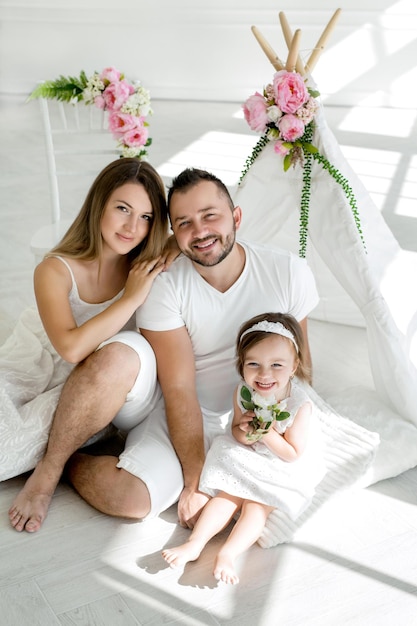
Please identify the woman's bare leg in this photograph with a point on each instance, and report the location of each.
(92, 396)
(215, 516)
(245, 532)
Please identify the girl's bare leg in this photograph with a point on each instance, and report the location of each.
(245, 532)
(216, 514)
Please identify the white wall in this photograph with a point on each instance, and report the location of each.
(194, 49)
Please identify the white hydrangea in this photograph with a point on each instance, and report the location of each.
(93, 89)
(139, 103)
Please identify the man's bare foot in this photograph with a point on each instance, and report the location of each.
(224, 570)
(179, 556)
(30, 506)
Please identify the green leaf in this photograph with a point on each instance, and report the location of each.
(249, 406)
(308, 147)
(64, 88)
(282, 415)
(313, 92)
(287, 162)
(245, 393)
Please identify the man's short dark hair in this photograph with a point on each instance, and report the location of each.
(192, 176)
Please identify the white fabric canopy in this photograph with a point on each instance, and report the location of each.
(372, 291)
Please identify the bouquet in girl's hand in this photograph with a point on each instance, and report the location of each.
(266, 411)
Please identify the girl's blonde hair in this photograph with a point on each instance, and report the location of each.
(83, 238)
(244, 343)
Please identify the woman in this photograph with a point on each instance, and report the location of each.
(87, 289)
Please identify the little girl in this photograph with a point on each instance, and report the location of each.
(265, 463)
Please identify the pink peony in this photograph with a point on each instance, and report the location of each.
(279, 148)
(120, 123)
(110, 74)
(100, 102)
(116, 94)
(290, 91)
(291, 127)
(136, 137)
(255, 112)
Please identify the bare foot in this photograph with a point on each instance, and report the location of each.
(30, 506)
(179, 556)
(224, 570)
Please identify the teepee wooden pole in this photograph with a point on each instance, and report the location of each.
(293, 52)
(269, 51)
(288, 36)
(311, 63)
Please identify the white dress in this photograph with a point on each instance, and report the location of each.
(32, 375)
(253, 472)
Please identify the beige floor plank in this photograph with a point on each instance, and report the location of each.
(112, 610)
(24, 605)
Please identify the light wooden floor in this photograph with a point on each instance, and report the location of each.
(354, 562)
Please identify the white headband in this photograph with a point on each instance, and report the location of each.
(271, 327)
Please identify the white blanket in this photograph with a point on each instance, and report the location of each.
(365, 440)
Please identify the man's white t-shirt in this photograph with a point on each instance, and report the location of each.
(273, 280)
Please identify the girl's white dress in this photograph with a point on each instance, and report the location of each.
(32, 375)
(253, 472)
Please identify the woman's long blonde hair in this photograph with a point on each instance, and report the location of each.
(83, 238)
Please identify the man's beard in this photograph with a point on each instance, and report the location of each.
(210, 261)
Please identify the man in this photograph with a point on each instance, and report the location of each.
(191, 319)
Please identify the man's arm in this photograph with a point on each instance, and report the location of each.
(303, 324)
(176, 373)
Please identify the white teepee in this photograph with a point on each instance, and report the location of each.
(369, 289)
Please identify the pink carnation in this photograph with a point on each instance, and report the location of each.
(110, 74)
(255, 112)
(136, 137)
(116, 94)
(290, 91)
(308, 111)
(291, 127)
(120, 123)
(279, 148)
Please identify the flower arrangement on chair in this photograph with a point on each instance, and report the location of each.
(128, 104)
(285, 114)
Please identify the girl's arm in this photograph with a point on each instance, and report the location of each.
(74, 343)
(290, 445)
(241, 422)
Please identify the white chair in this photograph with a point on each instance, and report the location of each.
(78, 145)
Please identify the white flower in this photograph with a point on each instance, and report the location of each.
(131, 152)
(139, 103)
(273, 113)
(307, 112)
(263, 415)
(261, 402)
(282, 405)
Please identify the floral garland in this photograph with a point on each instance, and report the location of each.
(128, 104)
(266, 411)
(285, 114)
